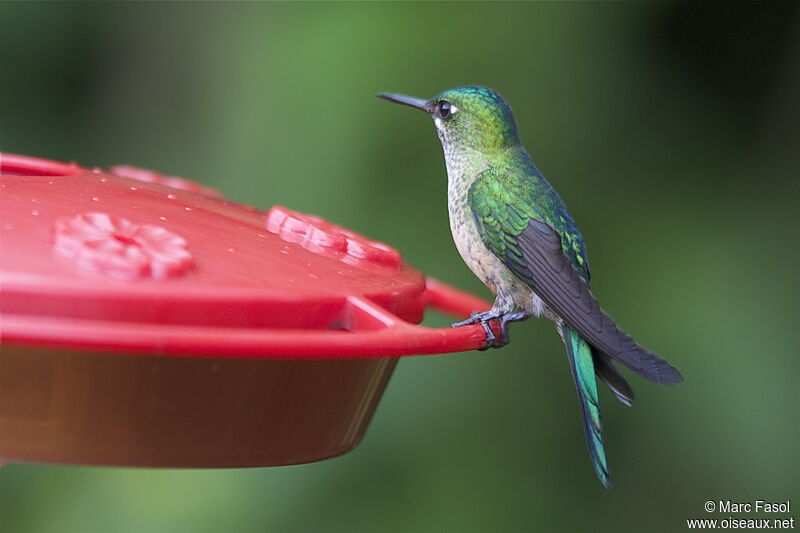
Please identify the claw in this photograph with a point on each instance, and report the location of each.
(490, 336)
(505, 320)
(503, 333)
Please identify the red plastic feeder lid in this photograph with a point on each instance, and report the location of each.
(133, 261)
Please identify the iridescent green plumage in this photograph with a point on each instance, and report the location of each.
(504, 200)
(515, 233)
(583, 373)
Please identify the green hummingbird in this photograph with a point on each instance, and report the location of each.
(515, 233)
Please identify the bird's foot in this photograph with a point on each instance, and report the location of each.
(505, 320)
(476, 317)
(483, 318)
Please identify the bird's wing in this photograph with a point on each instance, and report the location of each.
(504, 210)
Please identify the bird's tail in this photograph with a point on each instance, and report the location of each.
(583, 371)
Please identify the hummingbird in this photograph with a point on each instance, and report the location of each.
(514, 232)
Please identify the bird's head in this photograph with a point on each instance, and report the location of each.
(473, 117)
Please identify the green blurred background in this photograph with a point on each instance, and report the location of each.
(671, 131)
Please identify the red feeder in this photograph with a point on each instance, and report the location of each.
(147, 321)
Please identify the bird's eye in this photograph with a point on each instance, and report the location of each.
(443, 110)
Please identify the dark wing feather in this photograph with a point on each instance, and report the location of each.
(549, 273)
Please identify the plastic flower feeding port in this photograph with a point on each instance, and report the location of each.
(147, 321)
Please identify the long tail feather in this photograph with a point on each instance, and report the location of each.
(583, 372)
(612, 377)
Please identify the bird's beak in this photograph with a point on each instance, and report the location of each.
(416, 103)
